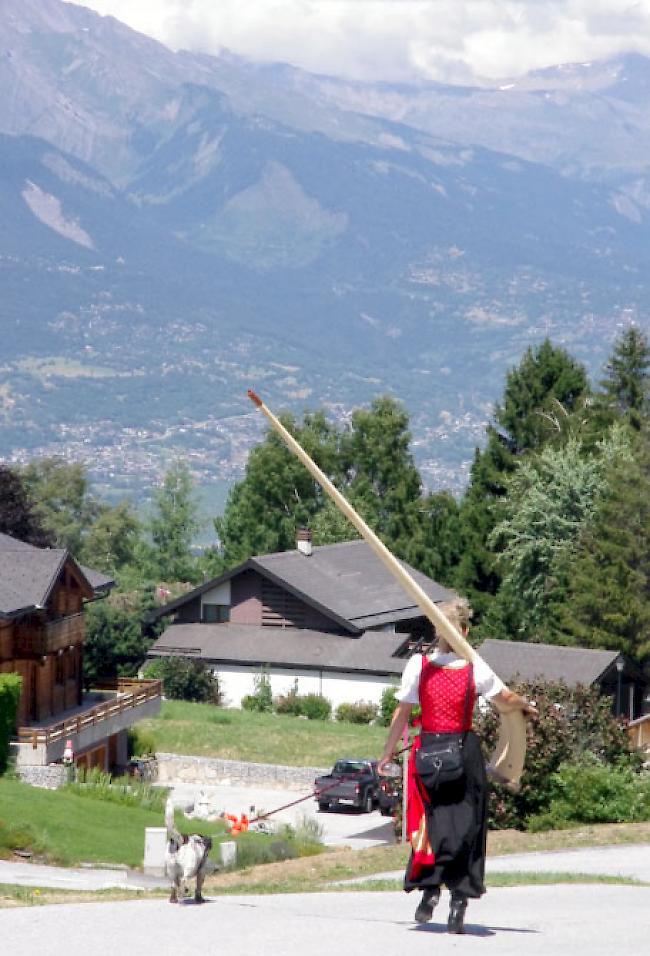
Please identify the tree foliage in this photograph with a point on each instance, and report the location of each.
(112, 541)
(173, 525)
(277, 494)
(626, 386)
(118, 636)
(18, 514)
(546, 376)
(64, 502)
(10, 686)
(608, 601)
(370, 461)
(185, 679)
(551, 498)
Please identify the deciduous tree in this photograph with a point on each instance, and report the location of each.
(18, 515)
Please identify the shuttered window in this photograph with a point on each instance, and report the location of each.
(280, 608)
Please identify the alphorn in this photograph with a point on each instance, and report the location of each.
(507, 762)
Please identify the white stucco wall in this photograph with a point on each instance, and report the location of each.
(218, 595)
(337, 687)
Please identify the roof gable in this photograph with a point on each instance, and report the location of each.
(28, 575)
(346, 582)
(349, 580)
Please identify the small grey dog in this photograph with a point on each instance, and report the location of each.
(186, 859)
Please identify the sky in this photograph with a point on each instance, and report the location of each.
(397, 40)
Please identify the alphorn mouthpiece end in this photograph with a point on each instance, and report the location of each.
(254, 397)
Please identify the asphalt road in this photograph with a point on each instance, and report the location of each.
(581, 920)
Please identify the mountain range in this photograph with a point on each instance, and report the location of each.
(176, 227)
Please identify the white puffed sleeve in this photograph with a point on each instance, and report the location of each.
(409, 688)
(486, 681)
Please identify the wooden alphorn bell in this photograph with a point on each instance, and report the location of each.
(507, 762)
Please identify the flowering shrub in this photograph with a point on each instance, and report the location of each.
(361, 712)
(573, 722)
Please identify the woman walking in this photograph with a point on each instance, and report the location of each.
(446, 818)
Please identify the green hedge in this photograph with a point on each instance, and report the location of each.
(360, 712)
(10, 685)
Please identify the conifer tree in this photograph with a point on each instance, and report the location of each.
(626, 386)
(173, 526)
(608, 603)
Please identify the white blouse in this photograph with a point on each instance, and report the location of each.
(486, 681)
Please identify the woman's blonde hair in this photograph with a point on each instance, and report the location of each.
(458, 612)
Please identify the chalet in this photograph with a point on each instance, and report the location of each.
(615, 676)
(43, 593)
(331, 618)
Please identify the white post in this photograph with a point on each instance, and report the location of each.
(155, 844)
(228, 852)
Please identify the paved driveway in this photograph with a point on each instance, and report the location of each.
(358, 830)
(593, 920)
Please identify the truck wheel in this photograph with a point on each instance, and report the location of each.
(323, 806)
(369, 805)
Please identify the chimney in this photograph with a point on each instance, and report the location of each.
(303, 541)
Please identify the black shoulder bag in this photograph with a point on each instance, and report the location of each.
(440, 759)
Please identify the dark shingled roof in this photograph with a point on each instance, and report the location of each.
(550, 662)
(27, 575)
(346, 581)
(350, 580)
(285, 647)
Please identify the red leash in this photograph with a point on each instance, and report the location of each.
(312, 795)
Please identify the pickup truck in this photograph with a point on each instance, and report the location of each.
(353, 783)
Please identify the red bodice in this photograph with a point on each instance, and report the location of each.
(442, 698)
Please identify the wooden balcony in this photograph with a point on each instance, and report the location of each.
(34, 641)
(128, 695)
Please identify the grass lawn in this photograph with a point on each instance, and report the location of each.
(316, 874)
(202, 730)
(71, 829)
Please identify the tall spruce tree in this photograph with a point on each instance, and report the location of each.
(626, 386)
(173, 526)
(608, 602)
(546, 376)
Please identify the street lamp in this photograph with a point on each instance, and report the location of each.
(620, 664)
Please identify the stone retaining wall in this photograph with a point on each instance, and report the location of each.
(49, 777)
(176, 768)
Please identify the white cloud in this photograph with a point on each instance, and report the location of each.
(445, 40)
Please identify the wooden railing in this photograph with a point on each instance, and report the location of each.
(131, 693)
(34, 641)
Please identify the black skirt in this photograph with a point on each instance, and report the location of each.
(457, 825)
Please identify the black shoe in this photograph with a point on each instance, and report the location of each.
(426, 906)
(457, 909)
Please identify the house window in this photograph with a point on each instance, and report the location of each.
(216, 613)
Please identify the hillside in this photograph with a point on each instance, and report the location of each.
(177, 227)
